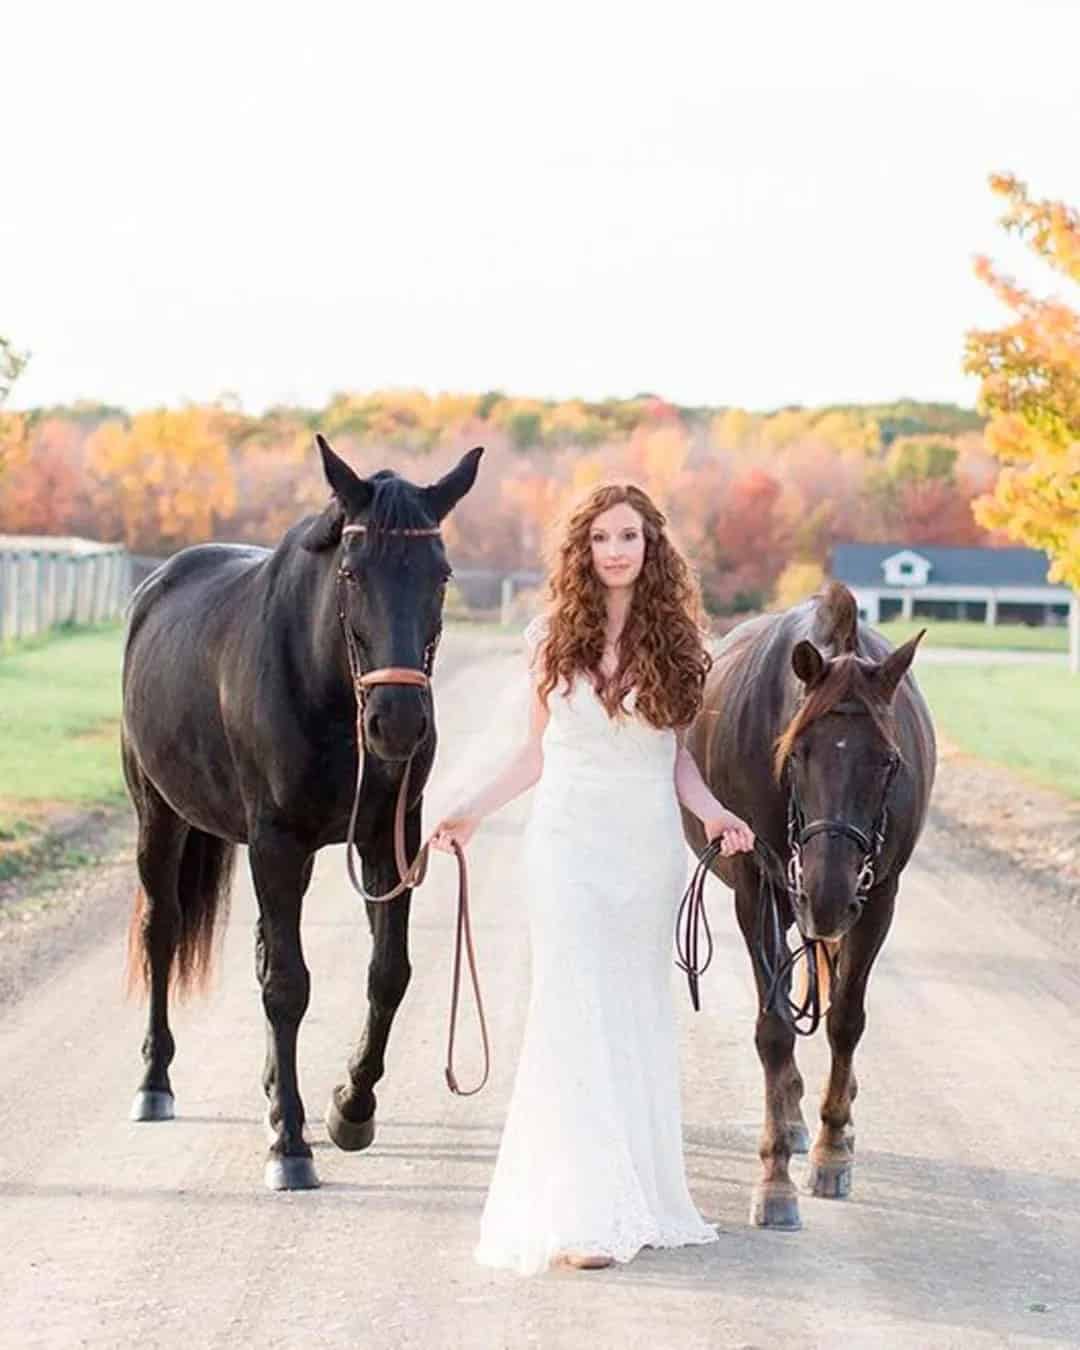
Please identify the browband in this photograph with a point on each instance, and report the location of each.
(381, 529)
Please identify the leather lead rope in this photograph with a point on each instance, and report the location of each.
(771, 955)
(412, 874)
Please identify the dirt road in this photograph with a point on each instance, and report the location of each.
(963, 1228)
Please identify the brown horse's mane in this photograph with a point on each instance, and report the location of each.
(846, 682)
(847, 679)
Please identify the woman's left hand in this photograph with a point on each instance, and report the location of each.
(734, 834)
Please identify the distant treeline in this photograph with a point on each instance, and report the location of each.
(748, 494)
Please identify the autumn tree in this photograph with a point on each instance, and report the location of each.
(166, 475)
(44, 486)
(797, 582)
(1030, 385)
(12, 426)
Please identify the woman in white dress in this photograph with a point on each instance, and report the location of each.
(590, 1165)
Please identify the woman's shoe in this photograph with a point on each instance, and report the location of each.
(585, 1260)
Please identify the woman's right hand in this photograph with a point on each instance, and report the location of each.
(458, 828)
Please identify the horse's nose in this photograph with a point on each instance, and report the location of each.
(385, 727)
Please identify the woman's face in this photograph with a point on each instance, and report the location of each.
(618, 545)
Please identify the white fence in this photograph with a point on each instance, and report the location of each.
(60, 581)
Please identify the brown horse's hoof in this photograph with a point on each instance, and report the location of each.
(798, 1137)
(349, 1135)
(286, 1172)
(829, 1178)
(775, 1204)
(151, 1105)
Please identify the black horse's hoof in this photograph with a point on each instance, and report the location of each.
(290, 1173)
(775, 1205)
(831, 1180)
(798, 1137)
(152, 1105)
(348, 1134)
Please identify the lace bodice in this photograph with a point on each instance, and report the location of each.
(580, 735)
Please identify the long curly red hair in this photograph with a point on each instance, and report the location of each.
(662, 651)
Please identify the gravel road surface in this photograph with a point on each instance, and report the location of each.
(963, 1228)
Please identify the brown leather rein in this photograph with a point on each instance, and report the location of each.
(411, 874)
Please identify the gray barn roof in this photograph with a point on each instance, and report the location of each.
(860, 565)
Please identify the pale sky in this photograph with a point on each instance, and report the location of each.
(728, 203)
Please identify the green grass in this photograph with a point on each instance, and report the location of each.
(1003, 637)
(59, 716)
(1026, 717)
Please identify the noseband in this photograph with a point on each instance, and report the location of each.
(410, 874)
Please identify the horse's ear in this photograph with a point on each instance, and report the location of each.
(441, 497)
(807, 662)
(325, 530)
(895, 666)
(353, 492)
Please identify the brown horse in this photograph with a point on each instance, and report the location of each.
(813, 730)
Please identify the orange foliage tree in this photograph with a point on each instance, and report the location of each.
(166, 475)
(1030, 385)
(44, 487)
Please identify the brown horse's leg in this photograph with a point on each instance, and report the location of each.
(350, 1116)
(775, 1202)
(154, 939)
(281, 868)
(833, 1155)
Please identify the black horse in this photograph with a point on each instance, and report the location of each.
(814, 731)
(240, 727)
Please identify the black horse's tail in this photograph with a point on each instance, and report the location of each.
(204, 883)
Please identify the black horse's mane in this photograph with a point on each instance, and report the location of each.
(395, 505)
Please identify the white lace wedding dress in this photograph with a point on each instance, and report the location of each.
(591, 1156)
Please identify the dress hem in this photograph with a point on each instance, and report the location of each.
(500, 1259)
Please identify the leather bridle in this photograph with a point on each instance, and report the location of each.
(799, 834)
(410, 874)
(769, 950)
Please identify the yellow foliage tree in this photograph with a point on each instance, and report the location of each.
(169, 474)
(734, 429)
(664, 450)
(1030, 387)
(786, 427)
(587, 473)
(796, 582)
(848, 432)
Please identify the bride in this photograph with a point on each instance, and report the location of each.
(590, 1166)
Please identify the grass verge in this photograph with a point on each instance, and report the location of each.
(1025, 717)
(1015, 637)
(59, 719)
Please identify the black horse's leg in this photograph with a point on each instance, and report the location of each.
(160, 846)
(269, 1075)
(281, 869)
(833, 1154)
(775, 1201)
(350, 1117)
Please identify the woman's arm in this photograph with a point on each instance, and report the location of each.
(693, 792)
(520, 772)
